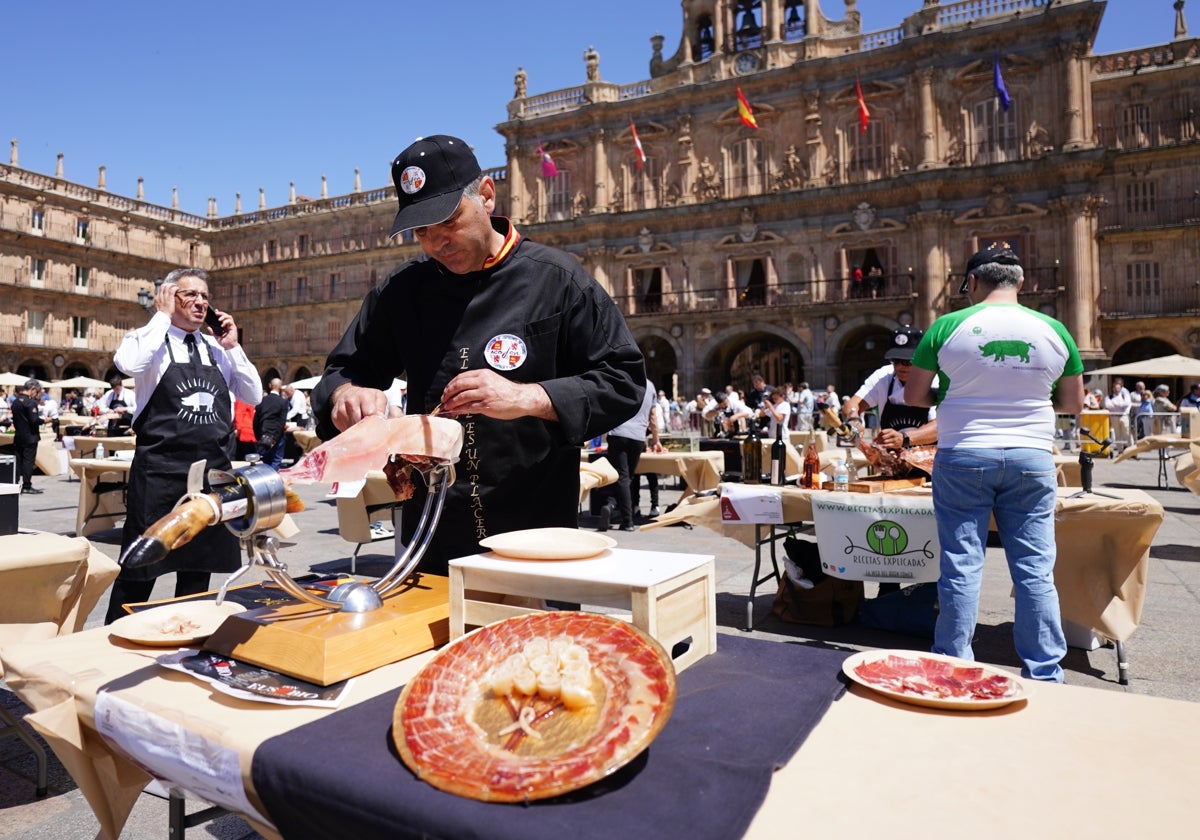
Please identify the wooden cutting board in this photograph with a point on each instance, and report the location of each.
(877, 484)
(326, 647)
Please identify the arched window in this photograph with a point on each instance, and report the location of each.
(705, 44)
(748, 19)
(795, 27)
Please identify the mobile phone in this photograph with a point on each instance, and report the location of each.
(210, 318)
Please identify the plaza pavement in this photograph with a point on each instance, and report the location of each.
(1163, 653)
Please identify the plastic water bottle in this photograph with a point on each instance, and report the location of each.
(99, 451)
(841, 476)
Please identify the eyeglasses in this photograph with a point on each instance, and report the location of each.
(189, 296)
(902, 362)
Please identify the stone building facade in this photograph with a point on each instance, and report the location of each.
(731, 249)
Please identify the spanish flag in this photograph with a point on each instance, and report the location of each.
(745, 114)
(864, 116)
(639, 154)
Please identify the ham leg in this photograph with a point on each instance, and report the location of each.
(368, 444)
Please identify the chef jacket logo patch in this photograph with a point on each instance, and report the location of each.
(197, 402)
(506, 352)
(412, 179)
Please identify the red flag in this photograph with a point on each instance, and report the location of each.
(549, 170)
(864, 116)
(744, 113)
(639, 153)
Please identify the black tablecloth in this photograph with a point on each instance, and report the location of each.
(740, 713)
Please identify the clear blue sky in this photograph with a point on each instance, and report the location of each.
(224, 97)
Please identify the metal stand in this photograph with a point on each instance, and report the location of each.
(1086, 465)
(758, 578)
(266, 496)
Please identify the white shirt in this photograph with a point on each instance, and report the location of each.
(146, 353)
(126, 396)
(875, 392)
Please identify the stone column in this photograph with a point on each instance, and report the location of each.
(928, 137)
(1081, 275)
(599, 171)
(1075, 66)
(933, 292)
(516, 184)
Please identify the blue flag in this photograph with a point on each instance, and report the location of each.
(998, 82)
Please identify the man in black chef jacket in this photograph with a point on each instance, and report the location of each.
(184, 377)
(513, 338)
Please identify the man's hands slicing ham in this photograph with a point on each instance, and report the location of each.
(418, 440)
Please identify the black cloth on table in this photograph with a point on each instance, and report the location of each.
(740, 713)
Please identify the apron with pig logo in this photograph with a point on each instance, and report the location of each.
(188, 418)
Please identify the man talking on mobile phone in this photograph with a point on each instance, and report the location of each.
(185, 378)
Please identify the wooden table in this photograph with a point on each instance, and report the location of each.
(1042, 762)
(102, 487)
(85, 447)
(699, 470)
(1160, 444)
(47, 459)
(1103, 549)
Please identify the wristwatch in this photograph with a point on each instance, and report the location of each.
(907, 442)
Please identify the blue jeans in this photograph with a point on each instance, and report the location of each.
(1017, 487)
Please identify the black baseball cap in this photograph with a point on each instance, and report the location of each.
(997, 252)
(430, 176)
(904, 344)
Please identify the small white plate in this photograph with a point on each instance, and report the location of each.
(549, 544)
(1016, 689)
(174, 624)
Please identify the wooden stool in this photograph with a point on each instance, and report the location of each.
(672, 597)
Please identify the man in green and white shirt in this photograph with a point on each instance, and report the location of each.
(1003, 370)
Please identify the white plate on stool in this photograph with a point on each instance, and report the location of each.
(549, 544)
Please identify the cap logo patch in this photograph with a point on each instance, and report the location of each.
(901, 340)
(412, 179)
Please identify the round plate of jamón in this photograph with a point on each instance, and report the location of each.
(932, 679)
(534, 706)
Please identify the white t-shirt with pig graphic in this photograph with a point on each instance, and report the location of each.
(997, 367)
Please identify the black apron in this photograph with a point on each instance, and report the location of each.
(187, 418)
(901, 417)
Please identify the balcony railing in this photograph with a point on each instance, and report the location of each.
(1040, 283)
(1137, 299)
(1145, 213)
(1150, 134)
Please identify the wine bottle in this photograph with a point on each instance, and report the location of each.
(778, 457)
(812, 463)
(752, 457)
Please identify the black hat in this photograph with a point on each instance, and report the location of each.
(998, 252)
(904, 344)
(430, 176)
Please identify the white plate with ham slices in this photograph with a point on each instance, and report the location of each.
(549, 544)
(932, 679)
(183, 623)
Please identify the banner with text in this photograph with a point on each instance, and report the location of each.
(877, 537)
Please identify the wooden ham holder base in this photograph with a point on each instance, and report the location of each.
(875, 484)
(305, 641)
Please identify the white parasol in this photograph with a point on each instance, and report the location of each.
(1173, 365)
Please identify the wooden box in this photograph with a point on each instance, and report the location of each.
(323, 647)
(670, 596)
